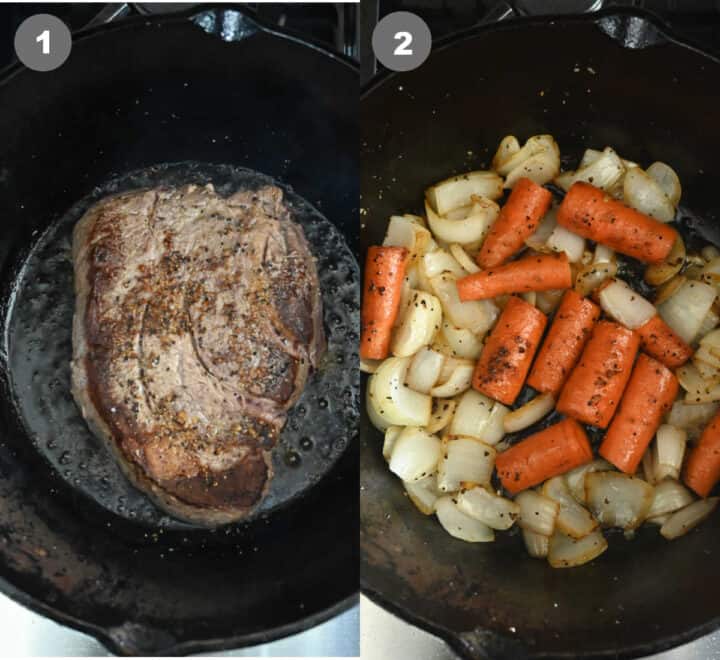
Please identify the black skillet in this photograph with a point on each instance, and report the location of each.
(207, 95)
(615, 78)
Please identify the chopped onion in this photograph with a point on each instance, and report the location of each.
(373, 415)
(709, 252)
(368, 366)
(565, 552)
(708, 354)
(576, 478)
(466, 460)
(669, 183)
(669, 496)
(540, 168)
(458, 191)
(712, 341)
(510, 157)
(692, 418)
(405, 231)
(593, 275)
(441, 415)
(458, 382)
(709, 323)
(391, 434)
(708, 371)
(603, 254)
(421, 318)
(509, 146)
(539, 238)
(537, 512)
(463, 258)
(466, 225)
(591, 155)
(450, 365)
(474, 315)
(393, 402)
(536, 544)
(441, 261)
(423, 494)
(648, 468)
(711, 273)
(573, 519)
(530, 297)
(462, 342)
(685, 519)
(617, 499)
(495, 511)
(657, 274)
(658, 520)
(665, 291)
(471, 415)
(533, 411)
(424, 370)
(415, 455)
(626, 306)
(641, 192)
(685, 310)
(460, 525)
(669, 451)
(563, 240)
(548, 301)
(494, 430)
(697, 389)
(604, 172)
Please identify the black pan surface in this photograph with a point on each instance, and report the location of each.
(616, 78)
(209, 94)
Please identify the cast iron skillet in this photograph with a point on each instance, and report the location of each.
(170, 99)
(615, 78)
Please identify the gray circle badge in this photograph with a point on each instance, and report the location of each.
(43, 42)
(401, 41)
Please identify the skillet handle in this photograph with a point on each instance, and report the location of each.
(482, 644)
(138, 639)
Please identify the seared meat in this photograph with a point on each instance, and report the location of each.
(197, 321)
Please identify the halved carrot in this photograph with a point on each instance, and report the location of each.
(384, 274)
(509, 350)
(702, 469)
(658, 339)
(650, 393)
(539, 272)
(564, 342)
(593, 390)
(592, 213)
(518, 219)
(543, 455)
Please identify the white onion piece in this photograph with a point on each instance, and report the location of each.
(466, 225)
(711, 273)
(548, 301)
(668, 289)
(508, 147)
(709, 372)
(566, 552)
(708, 355)
(617, 499)
(465, 461)
(458, 190)
(405, 231)
(510, 155)
(533, 411)
(450, 365)
(648, 468)
(686, 308)
(709, 252)
(420, 320)
(441, 415)
(667, 179)
(415, 455)
(474, 315)
(685, 519)
(593, 275)
(603, 254)
(393, 402)
(458, 382)
(539, 238)
(575, 478)
(697, 389)
(460, 525)
(591, 155)
(391, 434)
(563, 240)
(712, 341)
(423, 494)
(710, 322)
(494, 430)
(530, 297)
(641, 192)
(573, 519)
(669, 496)
(424, 370)
(462, 342)
(657, 274)
(471, 415)
(441, 261)
(373, 415)
(536, 544)
(537, 512)
(368, 366)
(604, 172)
(658, 520)
(669, 451)
(692, 418)
(495, 511)
(463, 258)
(540, 168)
(626, 306)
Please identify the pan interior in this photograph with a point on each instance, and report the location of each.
(38, 341)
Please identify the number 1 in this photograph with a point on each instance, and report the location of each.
(406, 39)
(44, 37)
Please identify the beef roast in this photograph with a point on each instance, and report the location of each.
(197, 321)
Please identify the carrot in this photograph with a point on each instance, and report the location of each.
(509, 350)
(543, 455)
(592, 213)
(593, 390)
(702, 469)
(565, 340)
(649, 395)
(519, 218)
(658, 339)
(539, 272)
(384, 274)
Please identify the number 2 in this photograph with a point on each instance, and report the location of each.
(406, 39)
(44, 37)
